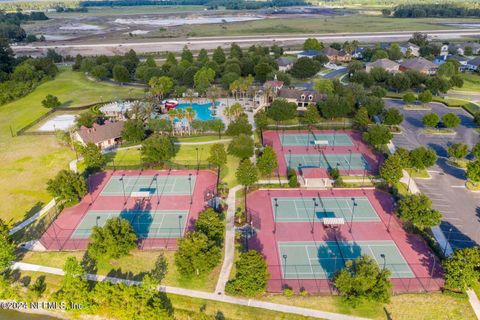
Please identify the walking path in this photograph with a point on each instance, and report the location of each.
(199, 294)
(30, 220)
(229, 242)
(474, 302)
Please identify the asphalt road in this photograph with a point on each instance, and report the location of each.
(459, 207)
(195, 43)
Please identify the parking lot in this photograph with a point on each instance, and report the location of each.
(446, 188)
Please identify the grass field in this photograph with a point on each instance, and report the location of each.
(29, 161)
(471, 82)
(117, 11)
(322, 24)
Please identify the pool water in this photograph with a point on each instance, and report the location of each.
(202, 111)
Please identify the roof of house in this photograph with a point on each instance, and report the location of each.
(473, 45)
(297, 95)
(315, 173)
(273, 83)
(384, 64)
(310, 53)
(408, 45)
(474, 62)
(419, 63)
(283, 62)
(333, 52)
(99, 133)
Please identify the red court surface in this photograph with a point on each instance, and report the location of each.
(412, 247)
(374, 159)
(59, 235)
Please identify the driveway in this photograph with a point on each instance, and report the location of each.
(333, 74)
(446, 188)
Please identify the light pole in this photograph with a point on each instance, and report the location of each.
(384, 261)
(448, 240)
(349, 161)
(315, 205)
(333, 144)
(285, 266)
(198, 163)
(289, 158)
(389, 220)
(180, 217)
(353, 213)
(308, 139)
(275, 216)
(156, 188)
(123, 188)
(96, 222)
(190, 181)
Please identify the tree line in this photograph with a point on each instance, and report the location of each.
(10, 28)
(448, 10)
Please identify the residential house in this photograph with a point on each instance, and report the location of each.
(284, 64)
(439, 60)
(336, 56)
(473, 45)
(301, 97)
(388, 65)
(473, 65)
(308, 54)
(270, 89)
(410, 47)
(105, 136)
(420, 64)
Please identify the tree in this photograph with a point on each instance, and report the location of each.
(157, 149)
(450, 120)
(218, 55)
(456, 81)
(241, 126)
(305, 68)
(437, 84)
(447, 69)
(422, 158)
(67, 187)
(7, 247)
(133, 131)
(247, 176)
(386, 12)
(160, 268)
(261, 122)
(458, 150)
(218, 157)
(210, 224)
(379, 54)
(251, 275)
(323, 86)
(160, 125)
(378, 91)
(361, 119)
(409, 97)
(461, 269)
(203, 78)
(51, 102)
(312, 44)
(377, 135)
(195, 255)
(430, 119)
(394, 52)
(120, 73)
(262, 70)
(417, 209)
(336, 107)
(400, 82)
(391, 170)
(354, 66)
(217, 125)
(241, 146)
(99, 72)
(476, 150)
(74, 287)
(267, 162)
(114, 240)
(282, 110)
(404, 156)
(374, 105)
(310, 116)
(392, 117)
(92, 156)
(419, 38)
(160, 86)
(187, 55)
(473, 171)
(425, 96)
(363, 279)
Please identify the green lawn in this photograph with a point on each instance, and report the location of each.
(421, 174)
(29, 161)
(471, 82)
(321, 24)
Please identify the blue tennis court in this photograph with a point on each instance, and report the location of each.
(354, 161)
(167, 185)
(146, 223)
(308, 139)
(321, 260)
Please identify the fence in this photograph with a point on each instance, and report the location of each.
(320, 285)
(165, 165)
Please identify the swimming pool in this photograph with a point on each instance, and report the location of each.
(202, 111)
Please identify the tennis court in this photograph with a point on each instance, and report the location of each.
(167, 185)
(354, 161)
(146, 223)
(306, 208)
(320, 260)
(308, 139)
